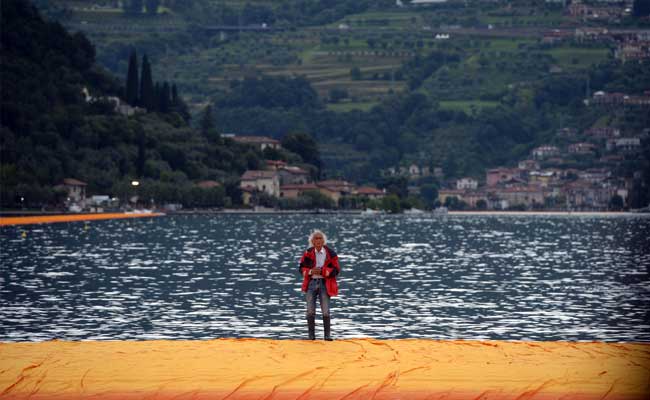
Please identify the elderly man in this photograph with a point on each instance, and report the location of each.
(319, 267)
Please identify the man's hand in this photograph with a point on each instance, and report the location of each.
(315, 271)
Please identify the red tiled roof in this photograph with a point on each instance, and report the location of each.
(255, 139)
(252, 175)
(305, 186)
(369, 191)
(295, 170)
(73, 182)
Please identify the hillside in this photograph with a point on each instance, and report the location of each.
(60, 120)
(460, 86)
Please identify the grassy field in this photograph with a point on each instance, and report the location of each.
(349, 106)
(468, 106)
(578, 58)
(325, 55)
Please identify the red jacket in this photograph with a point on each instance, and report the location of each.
(331, 269)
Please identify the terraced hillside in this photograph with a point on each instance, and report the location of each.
(202, 57)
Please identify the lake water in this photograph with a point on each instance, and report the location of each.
(451, 277)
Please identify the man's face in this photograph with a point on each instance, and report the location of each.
(318, 241)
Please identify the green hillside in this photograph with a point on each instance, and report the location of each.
(463, 86)
(52, 130)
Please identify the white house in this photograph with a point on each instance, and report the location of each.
(261, 181)
(466, 183)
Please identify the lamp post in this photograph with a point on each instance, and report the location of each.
(135, 185)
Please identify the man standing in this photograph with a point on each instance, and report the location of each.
(319, 267)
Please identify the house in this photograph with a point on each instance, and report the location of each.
(566, 132)
(76, 189)
(583, 194)
(473, 197)
(294, 191)
(546, 151)
(594, 175)
(542, 178)
(370, 192)
(612, 159)
(275, 164)
(629, 144)
(343, 187)
(290, 175)
(633, 51)
(582, 148)
(444, 194)
(261, 181)
(555, 36)
(261, 142)
(335, 189)
(608, 99)
(606, 132)
(637, 101)
(414, 170)
(528, 165)
(496, 176)
(585, 34)
(528, 196)
(466, 183)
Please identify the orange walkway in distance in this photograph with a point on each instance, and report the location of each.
(247, 369)
(46, 219)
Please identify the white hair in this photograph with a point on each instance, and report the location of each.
(317, 232)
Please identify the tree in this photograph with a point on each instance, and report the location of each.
(355, 74)
(164, 98)
(152, 6)
(337, 94)
(303, 145)
(208, 127)
(133, 6)
(178, 105)
(391, 204)
(132, 86)
(142, 156)
(429, 193)
(641, 8)
(616, 203)
(147, 92)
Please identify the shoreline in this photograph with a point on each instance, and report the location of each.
(26, 218)
(49, 219)
(414, 369)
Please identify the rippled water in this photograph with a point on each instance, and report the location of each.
(470, 277)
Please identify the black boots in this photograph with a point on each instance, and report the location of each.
(311, 324)
(326, 326)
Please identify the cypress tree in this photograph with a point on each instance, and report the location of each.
(208, 126)
(165, 103)
(157, 90)
(132, 80)
(178, 105)
(641, 8)
(142, 155)
(147, 95)
(174, 95)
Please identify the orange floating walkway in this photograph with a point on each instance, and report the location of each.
(46, 219)
(248, 369)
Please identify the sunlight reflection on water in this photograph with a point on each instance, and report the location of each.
(197, 276)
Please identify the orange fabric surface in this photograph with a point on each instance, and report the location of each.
(345, 369)
(46, 219)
